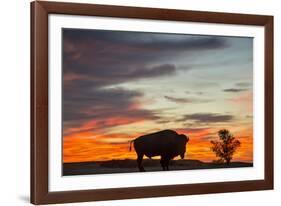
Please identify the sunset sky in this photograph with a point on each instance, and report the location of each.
(120, 85)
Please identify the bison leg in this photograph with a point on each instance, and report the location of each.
(139, 160)
(162, 162)
(167, 164)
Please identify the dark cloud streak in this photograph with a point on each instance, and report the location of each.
(234, 90)
(187, 100)
(207, 118)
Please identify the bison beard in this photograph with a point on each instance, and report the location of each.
(167, 144)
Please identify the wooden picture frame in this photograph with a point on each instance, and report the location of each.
(40, 193)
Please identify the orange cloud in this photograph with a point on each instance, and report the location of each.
(98, 125)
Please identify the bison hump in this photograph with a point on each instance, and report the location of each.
(164, 135)
(165, 132)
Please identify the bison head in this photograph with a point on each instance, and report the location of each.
(183, 141)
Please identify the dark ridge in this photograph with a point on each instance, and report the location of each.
(151, 165)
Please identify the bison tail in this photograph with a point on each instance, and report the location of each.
(130, 148)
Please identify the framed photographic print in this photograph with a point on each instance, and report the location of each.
(131, 102)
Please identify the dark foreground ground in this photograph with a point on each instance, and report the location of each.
(125, 166)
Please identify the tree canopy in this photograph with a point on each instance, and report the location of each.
(226, 146)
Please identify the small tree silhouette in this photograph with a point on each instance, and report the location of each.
(226, 147)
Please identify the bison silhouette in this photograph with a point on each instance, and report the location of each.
(166, 143)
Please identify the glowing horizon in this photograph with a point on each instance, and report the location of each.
(121, 85)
